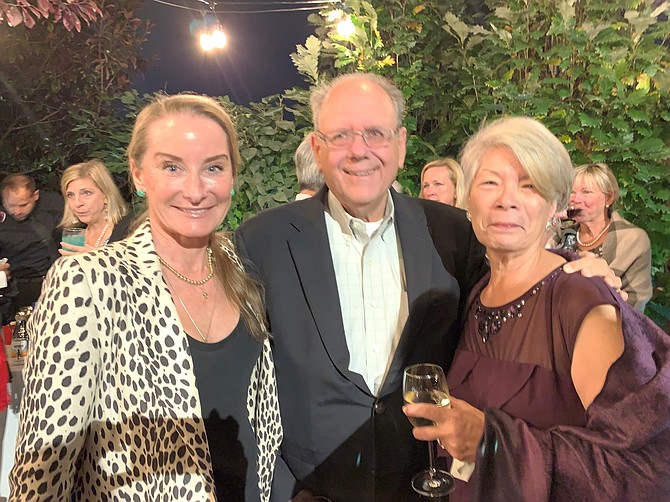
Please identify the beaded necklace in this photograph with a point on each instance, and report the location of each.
(589, 244)
(490, 320)
(193, 282)
(98, 241)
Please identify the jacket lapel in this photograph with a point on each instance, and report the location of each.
(188, 422)
(310, 249)
(417, 249)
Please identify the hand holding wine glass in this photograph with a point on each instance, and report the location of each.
(426, 383)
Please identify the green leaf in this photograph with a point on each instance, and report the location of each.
(638, 115)
(588, 121)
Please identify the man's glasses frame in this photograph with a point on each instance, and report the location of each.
(374, 137)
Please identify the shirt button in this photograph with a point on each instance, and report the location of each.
(376, 350)
(379, 408)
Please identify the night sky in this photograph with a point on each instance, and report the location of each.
(254, 64)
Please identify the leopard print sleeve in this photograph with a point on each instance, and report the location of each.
(61, 376)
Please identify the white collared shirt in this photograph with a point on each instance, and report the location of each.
(371, 286)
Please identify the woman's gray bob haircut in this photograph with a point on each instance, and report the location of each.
(539, 152)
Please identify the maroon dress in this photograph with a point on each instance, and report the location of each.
(517, 357)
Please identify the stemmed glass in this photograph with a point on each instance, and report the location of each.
(425, 383)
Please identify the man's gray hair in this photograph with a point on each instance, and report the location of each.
(319, 94)
(306, 169)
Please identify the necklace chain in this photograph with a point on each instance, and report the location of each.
(589, 244)
(102, 234)
(193, 282)
(188, 314)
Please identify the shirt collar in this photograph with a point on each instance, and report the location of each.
(347, 222)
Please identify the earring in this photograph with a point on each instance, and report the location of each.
(140, 193)
(232, 192)
(467, 215)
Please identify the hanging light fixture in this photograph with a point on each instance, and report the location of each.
(212, 36)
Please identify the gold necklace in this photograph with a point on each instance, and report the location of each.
(102, 234)
(192, 282)
(589, 244)
(183, 306)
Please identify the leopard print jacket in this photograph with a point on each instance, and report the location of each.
(111, 409)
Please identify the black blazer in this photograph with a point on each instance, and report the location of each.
(340, 440)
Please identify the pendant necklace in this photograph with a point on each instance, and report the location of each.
(589, 244)
(188, 314)
(193, 282)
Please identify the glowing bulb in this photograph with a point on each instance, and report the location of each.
(219, 38)
(206, 42)
(346, 28)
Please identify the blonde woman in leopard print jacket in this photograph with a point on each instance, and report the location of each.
(150, 375)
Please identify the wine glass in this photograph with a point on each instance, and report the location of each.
(425, 383)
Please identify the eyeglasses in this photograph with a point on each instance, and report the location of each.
(374, 137)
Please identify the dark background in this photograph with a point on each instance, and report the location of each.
(255, 62)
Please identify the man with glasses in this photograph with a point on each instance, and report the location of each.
(360, 281)
(357, 289)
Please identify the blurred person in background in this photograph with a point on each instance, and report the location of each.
(306, 170)
(598, 228)
(150, 374)
(559, 387)
(93, 199)
(442, 180)
(29, 237)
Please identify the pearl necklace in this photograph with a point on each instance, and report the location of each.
(192, 282)
(589, 244)
(98, 241)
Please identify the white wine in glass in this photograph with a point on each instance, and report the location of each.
(436, 397)
(426, 383)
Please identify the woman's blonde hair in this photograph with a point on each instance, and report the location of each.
(96, 171)
(600, 176)
(539, 152)
(455, 175)
(243, 291)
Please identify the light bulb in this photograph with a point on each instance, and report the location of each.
(206, 42)
(346, 28)
(219, 38)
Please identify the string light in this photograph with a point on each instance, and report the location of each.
(315, 5)
(213, 38)
(346, 27)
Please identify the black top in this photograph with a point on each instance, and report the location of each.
(31, 246)
(120, 230)
(222, 374)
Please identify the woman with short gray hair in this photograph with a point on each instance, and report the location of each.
(559, 388)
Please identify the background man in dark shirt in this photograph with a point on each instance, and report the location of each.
(29, 239)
